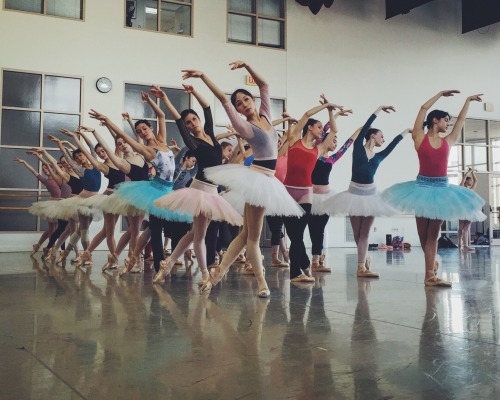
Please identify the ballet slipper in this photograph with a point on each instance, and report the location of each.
(136, 269)
(303, 278)
(52, 252)
(36, 247)
(435, 281)
(213, 279)
(76, 260)
(164, 270)
(276, 262)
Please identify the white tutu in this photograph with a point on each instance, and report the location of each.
(47, 210)
(359, 200)
(256, 186)
(322, 196)
(200, 198)
(71, 207)
(111, 203)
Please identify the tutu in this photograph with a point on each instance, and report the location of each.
(200, 198)
(111, 203)
(360, 200)
(70, 208)
(434, 198)
(256, 186)
(322, 196)
(142, 194)
(47, 210)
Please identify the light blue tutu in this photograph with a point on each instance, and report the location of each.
(435, 198)
(142, 194)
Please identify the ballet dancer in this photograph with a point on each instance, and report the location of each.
(361, 201)
(469, 181)
(260, 191)
(430, 197)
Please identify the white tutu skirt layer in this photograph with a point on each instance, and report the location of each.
(256, 186)
(112, 204)
(360, 200)
(48, 210)
(70, 208)
(142, 194)
(200, 198)
(321, 201)
(434, 198)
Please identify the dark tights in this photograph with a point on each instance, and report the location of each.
(295, 228)
(61, 226)
(211, 241)
(317, 225)
(276, 227)
(156, 226)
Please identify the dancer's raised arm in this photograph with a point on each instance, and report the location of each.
(459, 123)
(78, 170)
(148, 152)
(161, 134)
(53, 162)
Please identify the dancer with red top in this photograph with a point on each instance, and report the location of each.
(430, 197)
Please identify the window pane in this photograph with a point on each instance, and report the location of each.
(495, 141)
(21, 90)
(52, 123)
(242, 5)
(25, 5)
(271, 8)
(270, 33)
(133, 103)
(475, 131)
(150, 19)
(16, 220)
(65, 8)
(20, 128)
(277, 108)
(22, 177)
(173, 133)
(475, 157)
(241, 28)
(455, 159)
(179, 99)
(175, 18)
(220, 115)
(61, 94)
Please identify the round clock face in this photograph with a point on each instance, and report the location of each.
(104, 85)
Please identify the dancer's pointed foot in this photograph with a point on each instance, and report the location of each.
(62, 257)
(164, 270)
(111, 259)
(36, 247)
(86, 258)
(216, 276)
(129, 264)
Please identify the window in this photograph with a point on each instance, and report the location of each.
(162, 16)
(60, 8)
(34, 105)
(257, 22)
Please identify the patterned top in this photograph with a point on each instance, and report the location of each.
(164, 164)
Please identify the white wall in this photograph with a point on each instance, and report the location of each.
(348, 52)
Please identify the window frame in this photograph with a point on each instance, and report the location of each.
(255, 28)
(158, 18)
(39, 190)
(44, 12)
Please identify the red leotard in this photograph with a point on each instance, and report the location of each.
(301, 162)
(433, 162)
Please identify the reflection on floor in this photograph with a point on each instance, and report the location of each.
(78, 333)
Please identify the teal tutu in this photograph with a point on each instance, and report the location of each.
(142, 194)
(434, 198)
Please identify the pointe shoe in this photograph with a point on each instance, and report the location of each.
(276, 262)
(159, 278)
(317, 266)
(86, 258)
(111, 263)
(62, 257)
(129, 264)
(365, 273)
(435, 281)
(45, 253)
(76, 260)
(52, 252)
(213, 280)
(36, 247)
(303, 278)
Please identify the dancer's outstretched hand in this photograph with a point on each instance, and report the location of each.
(53, 138)
(156, 92)
(324, 100)
(67, 132)
(126, 116)
(19, 160)
(388, 109)
(97, 115)
(475, 97)
(344, 113)
(191, 73)
(449, 93)
(238, 64)
(188, 88)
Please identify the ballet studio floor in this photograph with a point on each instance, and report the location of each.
(80, 334)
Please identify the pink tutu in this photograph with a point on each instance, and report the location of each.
(200, 198)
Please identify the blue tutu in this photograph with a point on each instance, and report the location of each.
(434, 198)
(142, 194)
